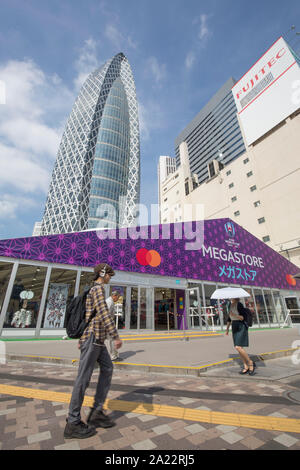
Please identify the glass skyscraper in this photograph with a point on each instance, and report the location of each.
(96, 178)
(214, 133)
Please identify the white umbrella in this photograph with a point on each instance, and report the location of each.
(230, 293)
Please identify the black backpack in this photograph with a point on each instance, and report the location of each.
(249, 316)
(75, 315)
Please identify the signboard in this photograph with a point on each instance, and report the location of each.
(227, 254)
(264, 96)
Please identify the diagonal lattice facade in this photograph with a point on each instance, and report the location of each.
(98, 160)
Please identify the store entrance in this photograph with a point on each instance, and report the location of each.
(164, 309)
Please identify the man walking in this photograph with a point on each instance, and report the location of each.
(110, 301)
(92, 350)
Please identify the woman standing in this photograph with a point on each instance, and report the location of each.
(237, 318)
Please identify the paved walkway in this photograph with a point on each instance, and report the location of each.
(158, 353)
(218, 409)
(152, 412)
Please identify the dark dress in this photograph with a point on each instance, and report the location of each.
(239, 328)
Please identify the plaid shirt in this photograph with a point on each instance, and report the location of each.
(102, 325)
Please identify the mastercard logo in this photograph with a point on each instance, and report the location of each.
(290, 280)
(148, 257)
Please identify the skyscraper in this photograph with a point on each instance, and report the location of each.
(96, 177)
(214, 134)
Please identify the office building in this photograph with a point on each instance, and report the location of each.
(213, 134)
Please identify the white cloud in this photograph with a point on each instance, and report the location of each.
(9, 204)
(114, 35)
(190, 60)
(86, 63)
(204, 31)
(203, 34)
(31, 136)
(156, 70)
(151, 117)
(28, 144)
(118, 39)
(22, 172)
(7, 208)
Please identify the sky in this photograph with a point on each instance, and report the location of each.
(180, 51)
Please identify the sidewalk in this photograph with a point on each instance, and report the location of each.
(153, 353)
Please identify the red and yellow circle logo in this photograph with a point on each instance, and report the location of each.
(148, 257)
(290, 280)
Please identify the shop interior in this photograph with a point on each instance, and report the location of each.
(165, 309)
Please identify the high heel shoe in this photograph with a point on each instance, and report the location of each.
(252, 368)
(244, 371)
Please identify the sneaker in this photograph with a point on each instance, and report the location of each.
(114, 358)
(99, 419)
(79, 431)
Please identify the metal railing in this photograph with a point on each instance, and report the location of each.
(289, 315)
(206, 317)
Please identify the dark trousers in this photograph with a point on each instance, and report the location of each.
(90, 353)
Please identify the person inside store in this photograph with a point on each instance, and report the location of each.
(237, 319)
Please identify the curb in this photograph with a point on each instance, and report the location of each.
(154, 368)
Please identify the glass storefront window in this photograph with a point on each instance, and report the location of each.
(250, 303)
(261, 308)
(24, 304)
(164, 309)
(134, 308)
(143, 307)
(120, 305)
(194, 306)
(5, 272)
(209, 312)
(60, 292)
(279, 307)
(270, 308)
(293, 307)
(86, 280)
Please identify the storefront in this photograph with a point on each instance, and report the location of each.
(163, 284)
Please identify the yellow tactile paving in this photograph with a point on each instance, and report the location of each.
(203, 416)
(167, 336)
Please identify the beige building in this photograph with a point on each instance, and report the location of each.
(260, 190)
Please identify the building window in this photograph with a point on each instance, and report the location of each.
(231, 185)
(246, 161)
(187, 188)
(165, 199)
(253, 188)
(228, 173)
(233, 199)
(249, 174)
(256, 203)
(237, 213)
(266, 239)
(261, 220)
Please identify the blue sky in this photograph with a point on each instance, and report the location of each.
(181, 52)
